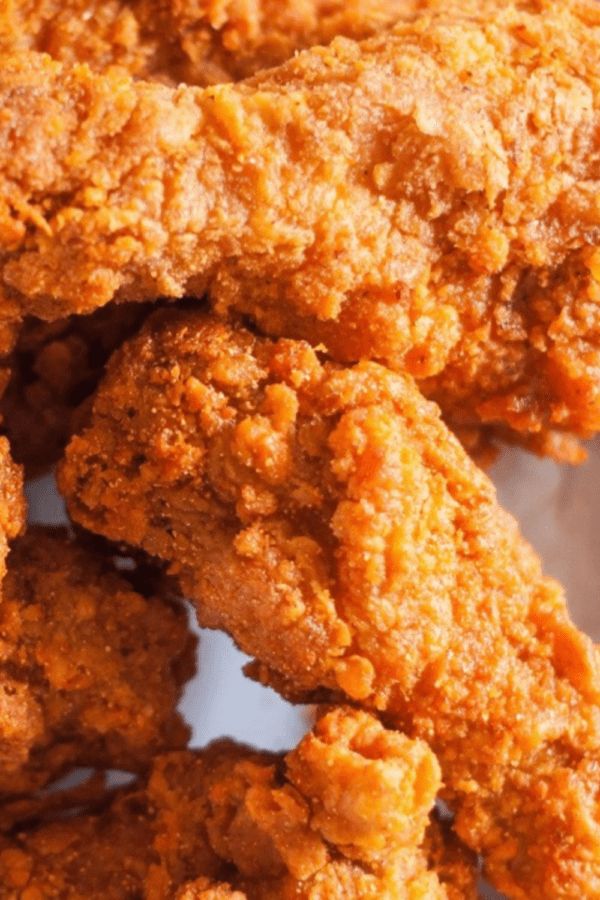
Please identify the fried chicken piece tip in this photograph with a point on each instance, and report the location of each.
(90, 670)
(344, 815)
(326, 518)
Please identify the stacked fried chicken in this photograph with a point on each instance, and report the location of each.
(253, 313)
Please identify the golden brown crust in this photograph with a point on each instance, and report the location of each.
(193, 41)
(90, 671)
(82, 858)
(328, 520)
(203, 42)
(342, 817)
(56, 365)
(449, 229)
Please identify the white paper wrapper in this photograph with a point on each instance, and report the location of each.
(558, 508)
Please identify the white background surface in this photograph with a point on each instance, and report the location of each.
(559, 512)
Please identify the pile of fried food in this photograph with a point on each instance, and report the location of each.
(276, 277)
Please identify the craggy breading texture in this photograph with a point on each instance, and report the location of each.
(54, 368)
(328, 520)
(12, 503)
(426, 198)
(90, 671)
(343, 816)
(193, 41)
(55, 365)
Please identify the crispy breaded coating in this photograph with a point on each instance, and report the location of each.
(194, 41)
(56, 365)
(54, 368)
(90, 670)
(343, 816)
(328, 520)
(426, 198)
(12, 503)
(81, 858)
(201, 42)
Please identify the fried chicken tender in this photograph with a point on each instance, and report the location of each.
(91, 671)
(327, 519)
(426, 198)
(201, 42)
(54, 369)
(194, 41)
(342, 816)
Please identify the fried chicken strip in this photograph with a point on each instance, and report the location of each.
(56, 366)
(327, 519)
(426, 198)
(343, 816)
(90, 671)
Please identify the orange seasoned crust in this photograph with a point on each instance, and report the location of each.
(329, 521)
(426, 198)
(342, 816)
(56, 365)
(90, 671)
(194, 41)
